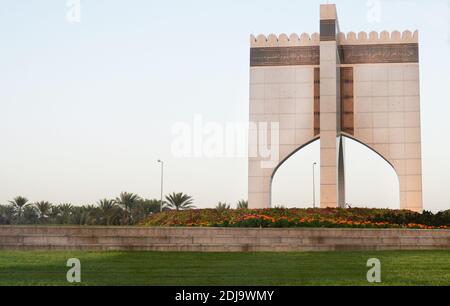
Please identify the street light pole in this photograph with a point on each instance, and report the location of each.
(162, 183)
(314, 185)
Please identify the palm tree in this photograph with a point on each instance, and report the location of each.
(152, 206)
(222, 206)
(179, 201)
(128, 201)
(7, 214)
(146, 208)
(44, 209)
(30, 215)
(242, 204)
(54, 215)
(110, 212)
(65, 213)
(85, 215)
(19, 203)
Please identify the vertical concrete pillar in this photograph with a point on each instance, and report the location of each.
(331, 190)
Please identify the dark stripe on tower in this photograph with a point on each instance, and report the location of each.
(285, 56)
(379, 53)
(348, 54)
(328, 30)
(316, 101)
(347, 101)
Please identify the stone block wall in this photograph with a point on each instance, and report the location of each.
(218, 239)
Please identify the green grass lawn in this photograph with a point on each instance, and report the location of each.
(147, 268)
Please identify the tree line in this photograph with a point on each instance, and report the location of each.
(126, 209)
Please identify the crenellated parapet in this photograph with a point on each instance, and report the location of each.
(283, 40)
(373, 38)
(351, 38)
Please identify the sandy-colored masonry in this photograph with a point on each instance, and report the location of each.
(377, 103)
(218, 239)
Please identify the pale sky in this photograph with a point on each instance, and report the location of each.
(87, 108)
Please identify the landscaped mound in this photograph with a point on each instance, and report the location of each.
(295, 218)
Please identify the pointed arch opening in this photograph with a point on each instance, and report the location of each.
(292, 180)
(370, 179)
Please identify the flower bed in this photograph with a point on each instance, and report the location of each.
(302, 218)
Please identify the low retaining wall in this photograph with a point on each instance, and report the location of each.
(218, 239)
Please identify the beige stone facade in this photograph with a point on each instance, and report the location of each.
(332, 85)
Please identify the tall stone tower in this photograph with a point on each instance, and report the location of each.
(333, 85)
